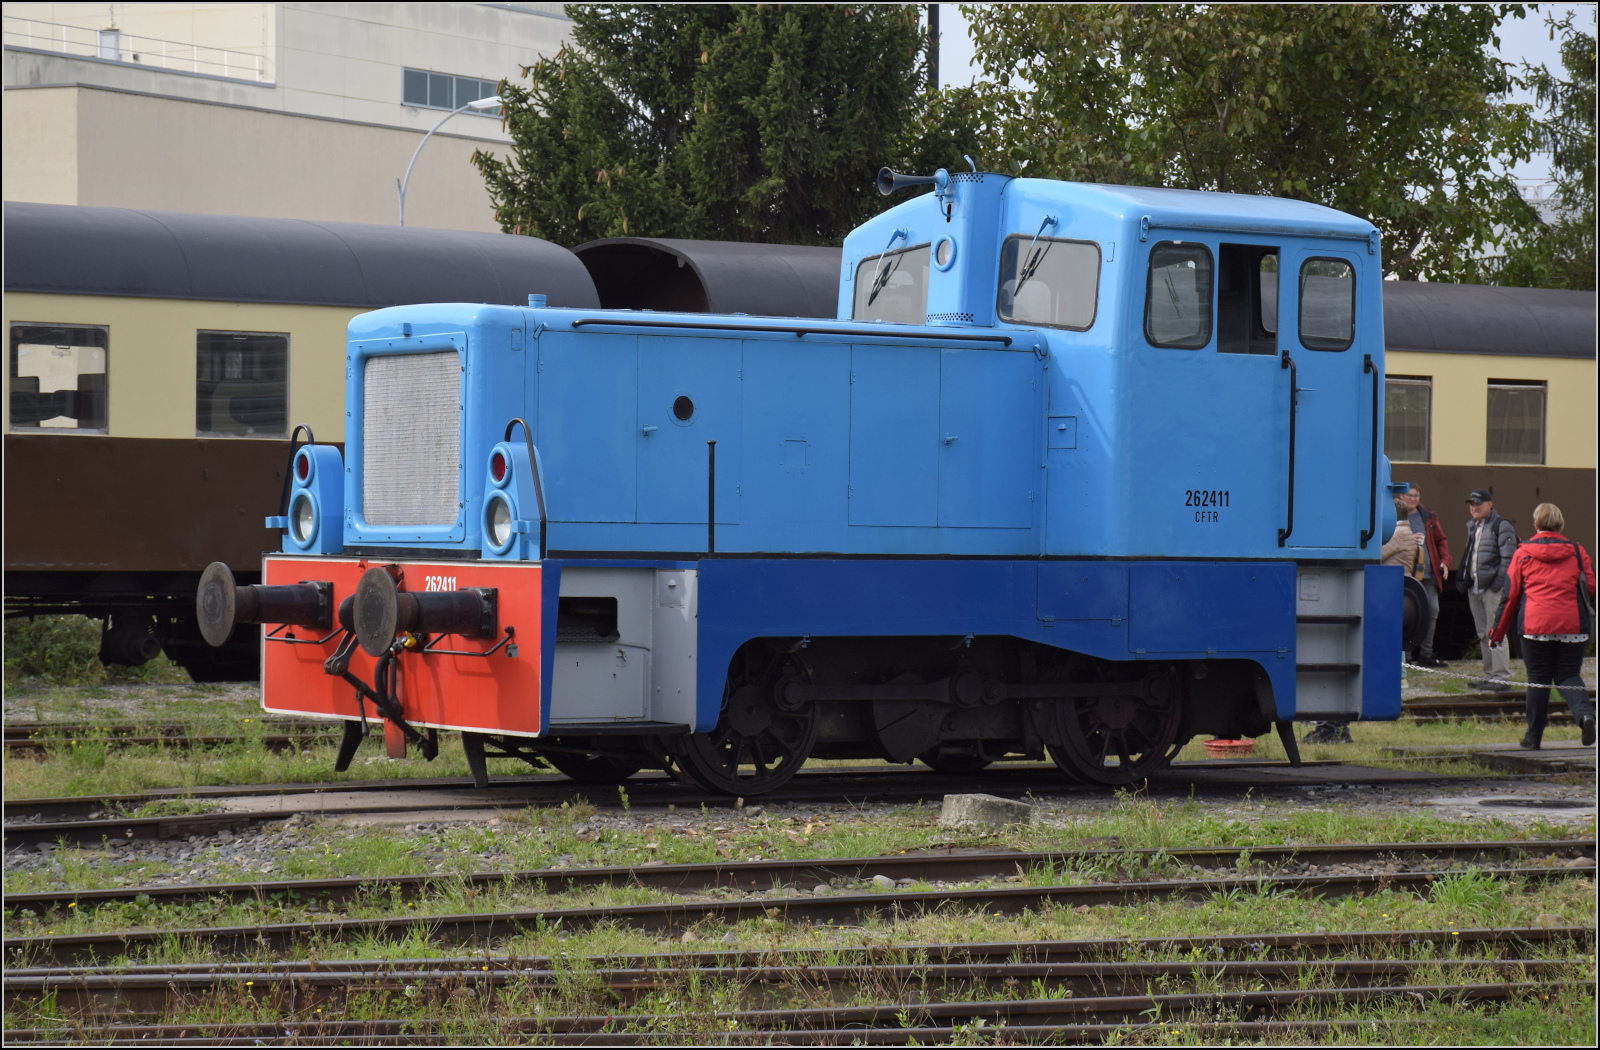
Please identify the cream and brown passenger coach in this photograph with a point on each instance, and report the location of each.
(159, 360)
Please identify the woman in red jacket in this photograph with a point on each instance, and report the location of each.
(1551, 588)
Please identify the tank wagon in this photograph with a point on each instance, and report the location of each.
(1077, 470)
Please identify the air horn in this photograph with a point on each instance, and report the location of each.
(222, 605)
(890, 181)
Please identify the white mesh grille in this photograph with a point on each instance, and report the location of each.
(411, 439)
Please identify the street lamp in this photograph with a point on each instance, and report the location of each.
(479, 106)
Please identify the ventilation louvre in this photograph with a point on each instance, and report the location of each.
(411, 439)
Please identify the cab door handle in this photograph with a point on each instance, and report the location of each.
(648, 429)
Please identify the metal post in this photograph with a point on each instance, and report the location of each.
(711, 497)
(407, 181)
(933, 48)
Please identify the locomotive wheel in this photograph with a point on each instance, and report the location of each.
(1138, 731)
(593, 769)
(759, 743)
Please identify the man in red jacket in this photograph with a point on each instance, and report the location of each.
(1550, 587)
(1435, 568)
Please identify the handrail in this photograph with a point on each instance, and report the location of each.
(797, 330)
(1294, 404)
(1372, 518)
(533, 465)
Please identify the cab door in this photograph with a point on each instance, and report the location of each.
(1323, 359)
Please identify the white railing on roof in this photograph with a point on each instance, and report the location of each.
(114, 45)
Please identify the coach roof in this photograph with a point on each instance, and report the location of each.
(1488, 319)
(77, 250)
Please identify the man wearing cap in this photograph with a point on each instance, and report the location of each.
(1491, 541)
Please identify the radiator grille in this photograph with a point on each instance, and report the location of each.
(411, 439)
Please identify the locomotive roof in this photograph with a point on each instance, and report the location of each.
(1488, 319)
(721, 277)
(1207, 210)
(78, 250)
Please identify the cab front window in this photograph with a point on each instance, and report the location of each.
(893, 287)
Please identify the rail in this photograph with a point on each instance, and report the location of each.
(114, 45)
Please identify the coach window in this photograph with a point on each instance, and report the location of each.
(893, 286)
(1327, 304)
(1177, 296)
(1408, 418)
(58, 377)
(1049, 281)
(1516, 422)
(1242, 317)
(242, 384)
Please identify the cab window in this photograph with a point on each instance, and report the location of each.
(893, 287)
(1049, 281)
(1246, 275)
(1327, 304)
(1177, 299)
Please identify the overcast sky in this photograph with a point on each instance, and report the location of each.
(1525, 39)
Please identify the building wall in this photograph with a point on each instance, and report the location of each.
(1460, 423)
(151, 360)
(78, 145)
(322, 134)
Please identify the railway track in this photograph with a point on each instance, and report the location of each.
(669, 918)
(335, 983)
(767, 875)
(920, 974)
(39, 738)
(1483, 707)
(1075, 1019)
(93, 820)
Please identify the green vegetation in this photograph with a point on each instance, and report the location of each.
(1394, 113)
(1562, 253)
(64, 650)
(731, 122)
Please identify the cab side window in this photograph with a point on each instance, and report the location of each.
(893, 287)
(58, 377)
(1327, 304)
(1177, 298)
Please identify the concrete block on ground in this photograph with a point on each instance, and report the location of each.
(982, 811)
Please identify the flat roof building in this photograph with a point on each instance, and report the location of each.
(305, 111)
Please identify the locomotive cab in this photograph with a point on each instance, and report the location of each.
(1078, 471)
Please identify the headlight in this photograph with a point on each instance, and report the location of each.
(497, 522)
(303, 518)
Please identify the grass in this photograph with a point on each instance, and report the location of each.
(85, 766)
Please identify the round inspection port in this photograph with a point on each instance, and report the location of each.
(683, 408)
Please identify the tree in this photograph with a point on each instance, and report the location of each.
(729, 122)
(1562, 253)
(1391, 112)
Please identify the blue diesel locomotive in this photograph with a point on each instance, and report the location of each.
(1079, 470)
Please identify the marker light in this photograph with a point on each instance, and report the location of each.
(303, 518)
(302, 468)
(497, 522)
(498, 468)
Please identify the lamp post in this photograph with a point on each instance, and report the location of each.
(478, 106)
